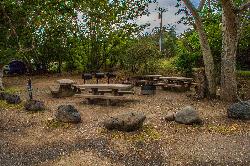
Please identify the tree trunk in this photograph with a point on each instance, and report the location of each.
(228, 58)
(207, 58)
(206, 51)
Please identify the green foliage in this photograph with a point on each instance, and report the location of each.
(189, 53)
(242, 73)
(43, 33)
(6, 106)
(12, 90)
(167, 66)
(141, 57)
(185, 62)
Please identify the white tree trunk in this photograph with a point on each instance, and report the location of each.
(206, 51)
(207, 58)
(230, 42)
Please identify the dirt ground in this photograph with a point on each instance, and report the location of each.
(33, 139)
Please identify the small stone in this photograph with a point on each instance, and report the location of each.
(170, 116)
(68, 114)
(12, 99)
(50, 119)
(188, 115)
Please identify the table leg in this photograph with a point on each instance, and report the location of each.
(115, 92)
(94, 91)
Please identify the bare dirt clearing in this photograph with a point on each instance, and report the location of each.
(26, 139)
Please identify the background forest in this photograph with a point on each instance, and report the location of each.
(86, 36)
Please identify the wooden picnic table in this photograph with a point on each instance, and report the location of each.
(65, 88)
(114, 87)
(182, 83)
(152, 76)
(96, 88)
(176, 79)
(66, 82)
(146, 79)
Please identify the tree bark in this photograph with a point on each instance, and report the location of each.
(206, 51)
(230, 24)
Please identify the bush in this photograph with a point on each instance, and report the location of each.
(141, 57)
(185, 62)
(167, 66)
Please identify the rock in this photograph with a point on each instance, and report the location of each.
(170, 116)
(188, 115)
(3, 95)
(34, 105)
(240, 110)
(125, 122)
(12, 99)
(68, 114)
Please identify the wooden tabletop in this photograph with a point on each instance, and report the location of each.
(152, 76)
(176, 78)
(105, 86)
(65, 82)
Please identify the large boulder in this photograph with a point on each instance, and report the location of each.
(240, 110)
(34, 105)
(130, 121)
(68, 114)
(12, 99)
(188, 115)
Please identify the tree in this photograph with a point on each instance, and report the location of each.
(231, 28)
(206, 50)
(108, 25)
(231, 21)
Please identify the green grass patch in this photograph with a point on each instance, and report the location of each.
(224, 129)
(54, 124)
(13, 90)
(243, 73)
(147, 133)
(5, 105)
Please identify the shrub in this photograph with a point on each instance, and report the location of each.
(185, 62)
(141, 57)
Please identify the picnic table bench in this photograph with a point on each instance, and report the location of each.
(178, 83)
(99, 91)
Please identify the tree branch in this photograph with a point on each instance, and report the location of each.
(191, 8)
(201, 5)
(244, 7)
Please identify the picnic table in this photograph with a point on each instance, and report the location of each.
(99, 91)
(178, 80)
(151, 77)
(182, 83)
(146, 79)
(65, 88)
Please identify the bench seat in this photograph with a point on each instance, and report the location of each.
(126, 92)
(108, 97)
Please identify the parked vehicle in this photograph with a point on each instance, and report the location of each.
(15, 67)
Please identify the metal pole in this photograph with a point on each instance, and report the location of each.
(29, 87)
(160, 40)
